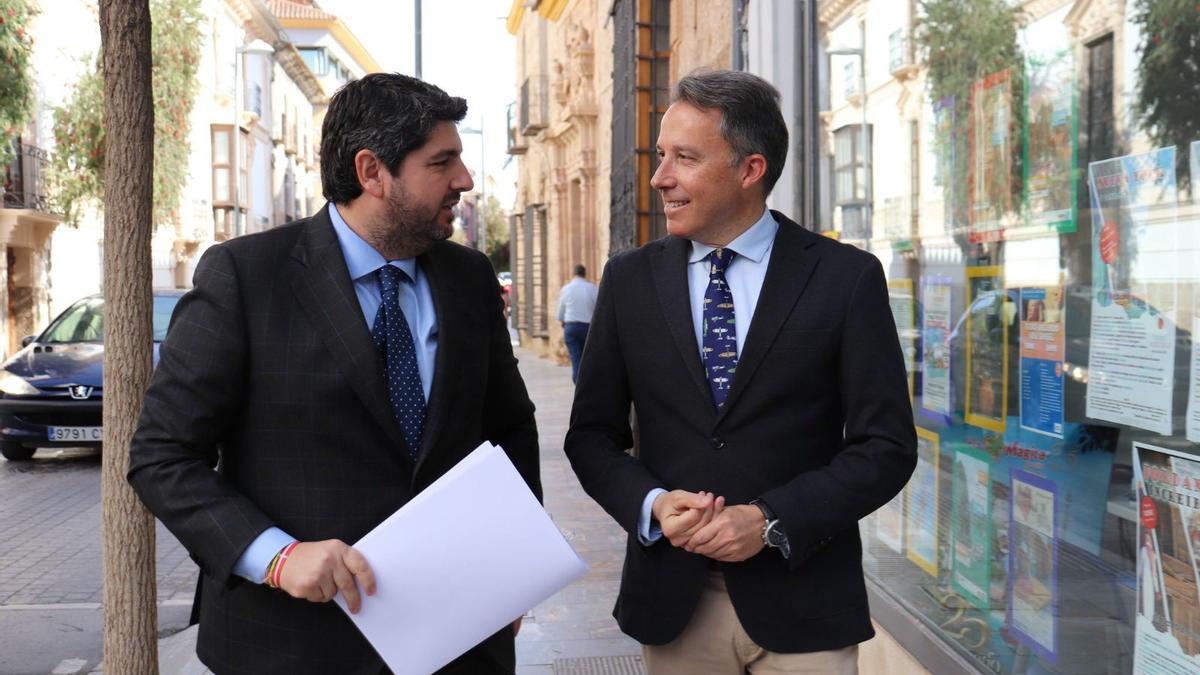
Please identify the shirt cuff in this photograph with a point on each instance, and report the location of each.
(649, 530)
(259, 554)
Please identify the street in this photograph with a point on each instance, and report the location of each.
(50, 565)
(50, 576)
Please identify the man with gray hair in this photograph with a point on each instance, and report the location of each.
(771, 399)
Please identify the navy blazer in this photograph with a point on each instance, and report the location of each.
(817, 423)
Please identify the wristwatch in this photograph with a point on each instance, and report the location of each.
(773, 535)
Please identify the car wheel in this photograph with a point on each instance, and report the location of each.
(15, 452)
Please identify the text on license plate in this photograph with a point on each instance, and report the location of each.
(75, 433)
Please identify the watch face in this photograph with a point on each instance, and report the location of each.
(776, 537)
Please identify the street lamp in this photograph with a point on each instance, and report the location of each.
(861, 53)
(260, 48)
(481, 234)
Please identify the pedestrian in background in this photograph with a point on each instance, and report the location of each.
(576, 302)
(772, 407)
(330, 370)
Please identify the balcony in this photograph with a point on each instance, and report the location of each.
(535, 105)
(902, 61)
(517, 145)
(24, 179)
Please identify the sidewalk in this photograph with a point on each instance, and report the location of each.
(573, 632)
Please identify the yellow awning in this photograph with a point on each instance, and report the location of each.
(551, 10)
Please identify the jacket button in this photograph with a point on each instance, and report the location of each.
(718, 442)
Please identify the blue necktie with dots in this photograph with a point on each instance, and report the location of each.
(395, 343)
(718, 328)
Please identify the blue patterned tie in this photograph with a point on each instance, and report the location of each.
(395, 343)
(719, 329)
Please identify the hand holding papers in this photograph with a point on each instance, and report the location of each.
(465, 557)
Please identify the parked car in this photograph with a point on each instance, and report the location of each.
(51, 391)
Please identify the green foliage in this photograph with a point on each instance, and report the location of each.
(16, 75)
(497, 234)
(1168, 93)
(77, 169)
(962, 42)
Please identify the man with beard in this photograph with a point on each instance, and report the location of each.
(330, 370)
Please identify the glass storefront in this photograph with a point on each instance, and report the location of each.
(1030, 182)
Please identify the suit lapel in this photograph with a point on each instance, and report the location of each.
(445, 292)
(788, 271)
(322, 286)
(671, 282)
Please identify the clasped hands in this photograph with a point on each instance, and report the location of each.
(701, 523)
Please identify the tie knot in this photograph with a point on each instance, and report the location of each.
(390, 277)
(720, 259)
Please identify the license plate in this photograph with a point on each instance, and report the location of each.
(75, 433)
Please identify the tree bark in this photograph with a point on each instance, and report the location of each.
(130, 608)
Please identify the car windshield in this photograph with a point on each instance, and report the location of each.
(84, 321)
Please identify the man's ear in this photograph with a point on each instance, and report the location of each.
(370, 172)
(754, 169)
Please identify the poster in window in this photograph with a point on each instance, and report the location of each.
(989, 313)
(1168, 538)
(921, 527)
(1033, 563)
(971, 525)
(1192, 249)
(935, 340)
(1043, 344)
(989, 170)
(903, 304)
(1050, 128)
(1134, 255)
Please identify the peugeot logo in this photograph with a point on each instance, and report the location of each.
(79, 392)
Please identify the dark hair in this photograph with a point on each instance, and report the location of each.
(751, 121)
(387, 113)
(580, 271)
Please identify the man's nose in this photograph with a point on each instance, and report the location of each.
(463, 180)
(662, 177)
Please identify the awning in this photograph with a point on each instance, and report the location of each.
(551, 10)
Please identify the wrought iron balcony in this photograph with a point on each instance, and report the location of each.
(24, 178)
(535, 105)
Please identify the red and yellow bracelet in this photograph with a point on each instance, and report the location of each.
(275, 569)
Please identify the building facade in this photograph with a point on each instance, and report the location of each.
(264, 76)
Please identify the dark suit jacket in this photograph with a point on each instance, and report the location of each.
(817, 423)
(269, 369)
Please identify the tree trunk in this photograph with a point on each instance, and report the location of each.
(130, 609)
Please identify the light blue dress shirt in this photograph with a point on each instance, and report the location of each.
(745, 276)
(577, 301)
(416, 301)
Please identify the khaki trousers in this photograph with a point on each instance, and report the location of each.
(714, 643)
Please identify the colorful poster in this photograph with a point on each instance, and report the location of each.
(971, 532)
(922, 505)
(900, 297)
(889, 522)
(1050, 131)
(989, 173)
(988, 317)
(1033, 564)
(1168, 540)
(1134, 241)
(1043, 345)
(935, 332)
(1193, 411)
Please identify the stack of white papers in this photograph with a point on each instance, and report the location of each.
(466, 557)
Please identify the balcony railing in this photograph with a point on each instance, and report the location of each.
(517, 145)
(535, 105)
(24, 178)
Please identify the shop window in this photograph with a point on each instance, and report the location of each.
(1047, 302)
